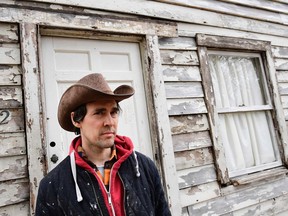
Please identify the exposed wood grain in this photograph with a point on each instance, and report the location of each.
(188, 123)
(11, 120)
(13, 167)
(10, 75)
(181, 73)
(179, 57)
(235, 201)
(193, 158)
(192, 195)
(13, 192)
(97, 22)
(12, 144)
(196, 176)
(186, 106)
(190, 141)
(19, 209)
(11, 97)
(179, 43)
(9, 54)
(183, 90)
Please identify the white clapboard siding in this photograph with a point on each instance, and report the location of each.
(12, 144)
(282, 76)
(11, 120)
(183, 90)
(179, 43)
(8, 32)
(189, 141)
(196, 176)
(186, 106)
(181, 73)
(242, 199)
(18, 209)
(179, 57)
(14, 191)
(188, 123)
(10, 54)
(281, 64)
(10, 75)
(11, 97)
(193, 158)
(192, 195)
(280, 51)
(13, 167)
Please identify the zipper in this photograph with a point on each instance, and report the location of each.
(124, 192)
(97, 203)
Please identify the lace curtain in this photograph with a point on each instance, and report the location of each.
(246, 136)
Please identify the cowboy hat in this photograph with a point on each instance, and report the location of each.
(92, 87)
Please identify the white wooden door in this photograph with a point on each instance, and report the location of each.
(66, 60)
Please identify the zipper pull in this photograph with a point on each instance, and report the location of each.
(109, 198)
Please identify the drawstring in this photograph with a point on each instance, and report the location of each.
(137, 165)
(73, 168)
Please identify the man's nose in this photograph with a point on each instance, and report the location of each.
(109, 120)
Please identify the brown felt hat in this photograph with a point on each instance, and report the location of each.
(92, 87)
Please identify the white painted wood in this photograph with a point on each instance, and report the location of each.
(10, 75)
(12, 144)
(10, 54)
(14, 167)
(119, 62)
(181, 73)
(31, 85)
(186, 106)
(19, 209)
(200, 193)
(8, 32)
(164, 135)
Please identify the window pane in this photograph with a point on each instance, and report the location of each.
(235, 80)
(247, 140)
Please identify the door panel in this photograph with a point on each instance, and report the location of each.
(65, 60)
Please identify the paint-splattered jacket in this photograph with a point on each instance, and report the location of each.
(135, 187)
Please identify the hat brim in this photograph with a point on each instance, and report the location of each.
(79, 94)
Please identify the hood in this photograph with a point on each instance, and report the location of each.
(124, 148)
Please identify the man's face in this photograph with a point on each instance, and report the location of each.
(99, 126)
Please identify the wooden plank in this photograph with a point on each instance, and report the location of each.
(18, 209)
(100, 22)
(10, 97)
(191, 30)
(181, 73)
(188, 123)
(12, 144)
(11, 120)
(162, 121)
(193, 158)
(284, 100)
(196, 176)
(33, 108)
(190, 141)
(176, 13)
(267, 5)
(14, 192)
(186, 106)
(9, 54)
(280, 52)
(276, 206)
(8, 33)
(179, 57)
(231, 43)
(179, 43)
(10, 75)
(14, 167)
(281, 64)
(283, 88)
(192, 195)
(183, 90)
(282, 76)
(235, 201)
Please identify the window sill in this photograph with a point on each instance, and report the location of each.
(242, 180)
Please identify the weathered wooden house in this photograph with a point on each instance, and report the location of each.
(211, 102)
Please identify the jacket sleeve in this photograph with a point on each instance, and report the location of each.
(161, 205)
(46, 203)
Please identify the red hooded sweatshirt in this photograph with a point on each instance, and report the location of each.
(114, 197)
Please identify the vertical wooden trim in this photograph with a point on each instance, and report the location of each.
(219, 151)
(280, 118)
(163, 125)
(33, 110)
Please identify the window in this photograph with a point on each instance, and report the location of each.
(241, 105)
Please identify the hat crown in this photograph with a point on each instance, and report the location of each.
(95, 81)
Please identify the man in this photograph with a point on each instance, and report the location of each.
(102, 175)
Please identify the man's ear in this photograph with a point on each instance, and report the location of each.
(76, 124)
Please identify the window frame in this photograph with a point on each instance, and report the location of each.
(205, 43)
